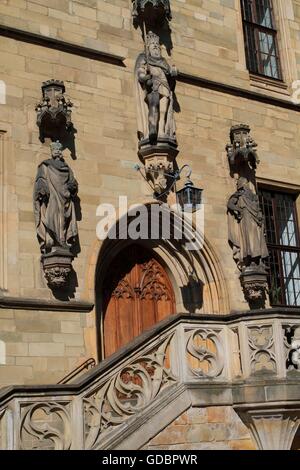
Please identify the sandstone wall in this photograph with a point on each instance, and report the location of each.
(216, 428)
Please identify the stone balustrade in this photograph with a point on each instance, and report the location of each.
(248, 362)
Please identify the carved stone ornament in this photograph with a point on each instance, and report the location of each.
(127, 393)
(159, 162)
(272, 429)
(262, 350)
(255, 285)
(151, 11)
(242, 147)
(57, 267)
(205, 345)
(53, 111)
(55, 191)
(45, 426)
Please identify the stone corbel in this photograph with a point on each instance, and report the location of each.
(272, 429)
(53, 111)
(57, 267)
(254, 284)
(159, 161)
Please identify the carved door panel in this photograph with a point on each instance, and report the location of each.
(137, 294)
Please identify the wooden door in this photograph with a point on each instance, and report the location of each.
(137, 294)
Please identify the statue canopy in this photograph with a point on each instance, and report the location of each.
(151, 11)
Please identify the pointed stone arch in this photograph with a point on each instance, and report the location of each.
(196, 276)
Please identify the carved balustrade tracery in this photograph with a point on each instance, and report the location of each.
(185, 353)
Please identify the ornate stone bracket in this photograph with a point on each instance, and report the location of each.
(255, 286)
(53, 111)
(272, 429)
(57, 267)
(159, 161)
(151, 11)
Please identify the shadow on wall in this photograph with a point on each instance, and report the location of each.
(162, 30)
(192, 294)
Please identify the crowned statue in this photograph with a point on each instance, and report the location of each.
(155, 85)
(54, 192)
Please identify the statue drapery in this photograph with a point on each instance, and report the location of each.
(246, 226)
(54, 192)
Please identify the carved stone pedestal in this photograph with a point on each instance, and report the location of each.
(254, 281)
(159, 161)
(57, 267)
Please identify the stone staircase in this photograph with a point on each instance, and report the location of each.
(246, 361)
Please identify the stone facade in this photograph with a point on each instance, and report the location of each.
(215, 428)
(44, 342)
(41, 347)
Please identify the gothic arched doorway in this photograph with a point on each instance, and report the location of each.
(137, 293)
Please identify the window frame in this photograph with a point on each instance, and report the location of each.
(251, 29)
(277, 247)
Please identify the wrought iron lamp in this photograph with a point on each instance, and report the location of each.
(189, 197)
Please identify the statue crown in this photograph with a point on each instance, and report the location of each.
(56, 146)
(152, 38)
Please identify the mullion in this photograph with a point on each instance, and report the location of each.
(281, 276)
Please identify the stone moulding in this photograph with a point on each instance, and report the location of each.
(139, 390)
(59, 45)
(23, 303)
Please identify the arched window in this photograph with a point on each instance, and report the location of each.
(261, 38)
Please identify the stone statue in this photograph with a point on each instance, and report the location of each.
(155, 84)
(54, 192)
(296, 354)
(246, 227)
